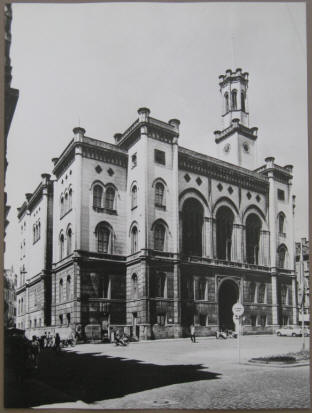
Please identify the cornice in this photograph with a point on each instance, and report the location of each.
(223, 171)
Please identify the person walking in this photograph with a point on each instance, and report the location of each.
(192, 330)
(57, 342)
(35, 351)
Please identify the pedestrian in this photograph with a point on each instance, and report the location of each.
(57, 342)
(41, 340)
(192, 330)
(35, 351)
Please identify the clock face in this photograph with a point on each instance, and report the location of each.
(227, 147)
(246, 147)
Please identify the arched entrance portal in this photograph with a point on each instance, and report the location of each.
(228, 296)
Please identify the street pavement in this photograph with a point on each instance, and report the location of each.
(170, 374)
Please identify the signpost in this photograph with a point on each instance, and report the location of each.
(238, 311)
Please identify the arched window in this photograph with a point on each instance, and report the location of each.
(109, 198)
(34, 233)
(226, 100)
(70, 198)
(97, 196)
(66, 203)
(282, 251)
(19, 307)
(68, 288)
(261, 293)
(35, 323)
(159, 194)
(29, 323)
(192, 226)
(60, 291)
(39, 230)
(134, 200)
(62, 206)
(22, 305)
(253, 230)
(225, 220)
(234, 100)
(161, 285)
(281, 224)
(134, 282)
(134, 240)
(61, 246)
(243, 106)
(69, 241)
(103, 238)
(159, 237)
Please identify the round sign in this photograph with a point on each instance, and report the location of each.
(238, 309)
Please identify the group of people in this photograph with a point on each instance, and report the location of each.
(219, 334)
(120, 338)
(22, 355)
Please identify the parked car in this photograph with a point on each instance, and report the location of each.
(292, 331)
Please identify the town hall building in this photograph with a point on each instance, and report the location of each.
(151, 237)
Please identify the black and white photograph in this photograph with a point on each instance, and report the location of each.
(156, 250)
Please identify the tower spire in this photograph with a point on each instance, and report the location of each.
(236, 141)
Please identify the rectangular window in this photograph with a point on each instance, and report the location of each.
(202, 319)
(253, 319)
(160, 157)
(280, 195)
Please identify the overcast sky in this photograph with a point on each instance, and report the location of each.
(96, 64)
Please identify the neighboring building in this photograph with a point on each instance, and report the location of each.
(9, 287)
(303, 280)
(11, 96)
(153, 237)
(35, 252)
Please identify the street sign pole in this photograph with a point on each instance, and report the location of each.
(238, 341)
(238, 311)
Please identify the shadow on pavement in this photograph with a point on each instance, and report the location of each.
(68, 376)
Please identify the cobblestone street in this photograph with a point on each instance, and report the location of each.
(171, 374)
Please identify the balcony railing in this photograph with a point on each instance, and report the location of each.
(225, 263)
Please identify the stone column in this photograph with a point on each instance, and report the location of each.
(244, 255)
(238, 242)
(294, 300)
(177, 300)
(264, 248)
(214, 238)
(274, 300)
(208, 231)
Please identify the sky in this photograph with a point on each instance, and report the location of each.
(94, 65)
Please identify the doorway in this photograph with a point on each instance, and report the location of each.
(228, 296)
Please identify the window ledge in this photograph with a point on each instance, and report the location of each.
(105, 210)
(159, 206)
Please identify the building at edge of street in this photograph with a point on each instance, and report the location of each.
(150, 236)
(303, 280)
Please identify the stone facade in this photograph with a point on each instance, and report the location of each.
(151, 237)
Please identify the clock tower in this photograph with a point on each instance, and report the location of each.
(236, 141)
